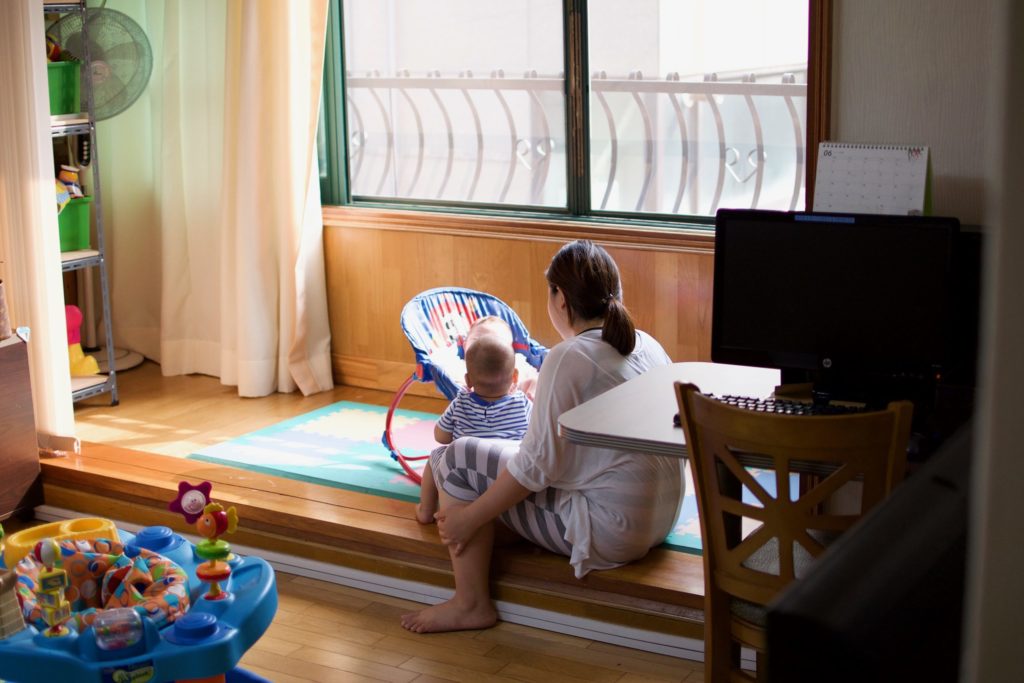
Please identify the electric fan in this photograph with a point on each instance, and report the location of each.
(120, 57)
(120, 61)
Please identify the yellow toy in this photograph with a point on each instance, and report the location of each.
(69, 176)
(81, 364)
(21, 543)
(63, 195)
(50, 591)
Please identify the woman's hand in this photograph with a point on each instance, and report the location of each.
(457, 523)
(455, 526)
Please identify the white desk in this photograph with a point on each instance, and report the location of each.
(637, 415)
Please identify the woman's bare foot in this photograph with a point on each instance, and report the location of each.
(449, 616)
(425, 512)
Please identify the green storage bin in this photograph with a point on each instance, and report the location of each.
(73, 222)
(65, 87)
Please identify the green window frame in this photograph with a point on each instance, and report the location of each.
(334, 167)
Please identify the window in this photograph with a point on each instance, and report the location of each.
(663, 109)
(457, 101)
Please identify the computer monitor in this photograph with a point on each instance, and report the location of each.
(861, 305)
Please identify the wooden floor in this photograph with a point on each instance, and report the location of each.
(323, 631)
(326, 632)
(179, 415)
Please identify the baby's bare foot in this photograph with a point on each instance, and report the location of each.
(449, 616)
(425, 512)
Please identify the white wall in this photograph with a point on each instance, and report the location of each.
(995, 588)
(946, 73)
(918, 72)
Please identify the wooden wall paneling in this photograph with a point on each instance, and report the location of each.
(502, 268)
(351, 290)
(670, 320)
(639, 282)
(688, 279)
(420, 262)
(552, 230)
(669, 295)
(537, 306)
(373, 271)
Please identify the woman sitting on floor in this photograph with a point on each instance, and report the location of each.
(600, 507)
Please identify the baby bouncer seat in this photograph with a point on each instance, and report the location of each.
(436, 322)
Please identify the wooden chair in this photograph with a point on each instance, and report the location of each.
(743, 573)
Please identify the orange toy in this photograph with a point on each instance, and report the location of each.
(214, 522)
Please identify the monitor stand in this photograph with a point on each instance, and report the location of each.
(819, 388)
(939, 407)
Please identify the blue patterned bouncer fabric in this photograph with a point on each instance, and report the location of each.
(437, 320)
(436, 323)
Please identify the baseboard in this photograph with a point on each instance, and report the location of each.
(639, 639)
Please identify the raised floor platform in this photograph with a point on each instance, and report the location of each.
(662, 593)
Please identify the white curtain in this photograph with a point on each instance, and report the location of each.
(29, 243)
(274, 329)
(214, 207)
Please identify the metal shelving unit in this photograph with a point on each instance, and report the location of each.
(88, 259)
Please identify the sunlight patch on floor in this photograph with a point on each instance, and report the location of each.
(177, 449)
(103, 433)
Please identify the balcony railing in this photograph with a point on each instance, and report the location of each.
(669, 145)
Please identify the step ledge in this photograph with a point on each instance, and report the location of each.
(591, 629)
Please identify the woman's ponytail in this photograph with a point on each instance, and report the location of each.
(618, 329)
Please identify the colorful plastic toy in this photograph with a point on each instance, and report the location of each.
(69, 176)
(49, 590)
(435, 323)
(81, 365)
(191, 501)
(215, 522)
(52, 49)
(21, 543)
(63, 195)
(104, 575)
(137, 607)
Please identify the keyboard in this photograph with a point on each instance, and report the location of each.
(788, 406)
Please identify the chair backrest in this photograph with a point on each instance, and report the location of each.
(724, 442)
(437, 319)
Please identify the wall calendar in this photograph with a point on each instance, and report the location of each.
(863, 178)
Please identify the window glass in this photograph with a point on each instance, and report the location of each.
(456, 100)
(697, 105)
(694, 105)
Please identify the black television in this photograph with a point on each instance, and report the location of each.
(861, 306)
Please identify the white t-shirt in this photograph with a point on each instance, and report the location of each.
(616, 504)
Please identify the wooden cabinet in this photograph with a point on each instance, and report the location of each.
(20, 485)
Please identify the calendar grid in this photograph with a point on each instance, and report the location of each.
(865, 178)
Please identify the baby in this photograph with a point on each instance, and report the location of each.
(493, 325)
(491, 406)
